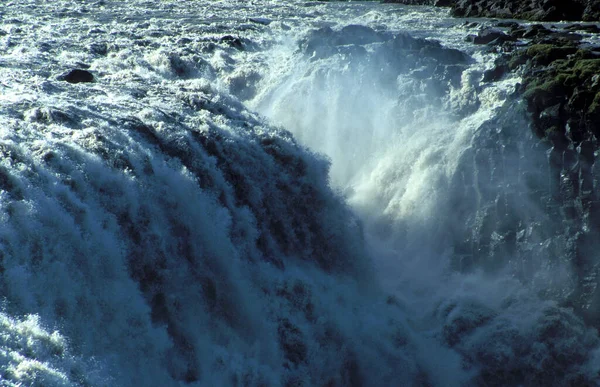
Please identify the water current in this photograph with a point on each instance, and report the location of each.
(278, 193)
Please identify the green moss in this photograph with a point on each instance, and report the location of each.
(547, 85)
(587, 68)
(544, 54)
(561, 74)
(516, 61)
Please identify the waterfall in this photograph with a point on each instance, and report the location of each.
(279, 194)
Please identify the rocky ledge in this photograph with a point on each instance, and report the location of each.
(560, 76)
(540, 10)
(560, 67)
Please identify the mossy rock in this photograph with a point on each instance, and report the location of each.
(543, 93)
(586, 68)
(544, 54)
(562, 76)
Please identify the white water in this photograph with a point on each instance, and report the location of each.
(171, 234)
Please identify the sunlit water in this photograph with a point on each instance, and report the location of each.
(224, 207)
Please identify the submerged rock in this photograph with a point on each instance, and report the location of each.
(233, 41)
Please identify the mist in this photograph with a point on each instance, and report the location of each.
(450, 185)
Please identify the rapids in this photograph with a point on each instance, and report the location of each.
(276, 193)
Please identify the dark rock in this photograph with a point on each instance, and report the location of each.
(489, 35)
(411, 2)
(77, 76)
(544, 54)
(443, 55)
(443, 3)
(591, 11)
(551, 117)
(534, 31)
(543, 10)
(233, 41)
(567, 36)
(560, 87)
(508, 24)
(590, 28)
(496, 73)
(98, 48)
(357, 34)
(318, 43)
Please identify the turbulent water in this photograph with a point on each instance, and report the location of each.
(275, 193)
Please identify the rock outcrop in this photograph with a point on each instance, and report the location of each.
(542, 10)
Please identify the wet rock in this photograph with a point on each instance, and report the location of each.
(590, 28)
(507, 24)
(260, 20)
(233, 41)
(543, 10)
(490, 35)
(564, 37)
(99, 49)
(560, 90)
(48, 115)
(77, 76)
(443, 55)
(357, 34)
(318, 43)
(545, 54)
(551, 118)
(534, 31)
(496, 73)
(412, 2)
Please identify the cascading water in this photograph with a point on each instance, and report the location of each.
(445, 179)
(166, 222)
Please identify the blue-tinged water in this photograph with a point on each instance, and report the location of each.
(274, 193)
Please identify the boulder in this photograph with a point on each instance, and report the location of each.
(357, 34)
(77, 76)
(495, 73)
(489, 35)
(232, 41)
(535, 30)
